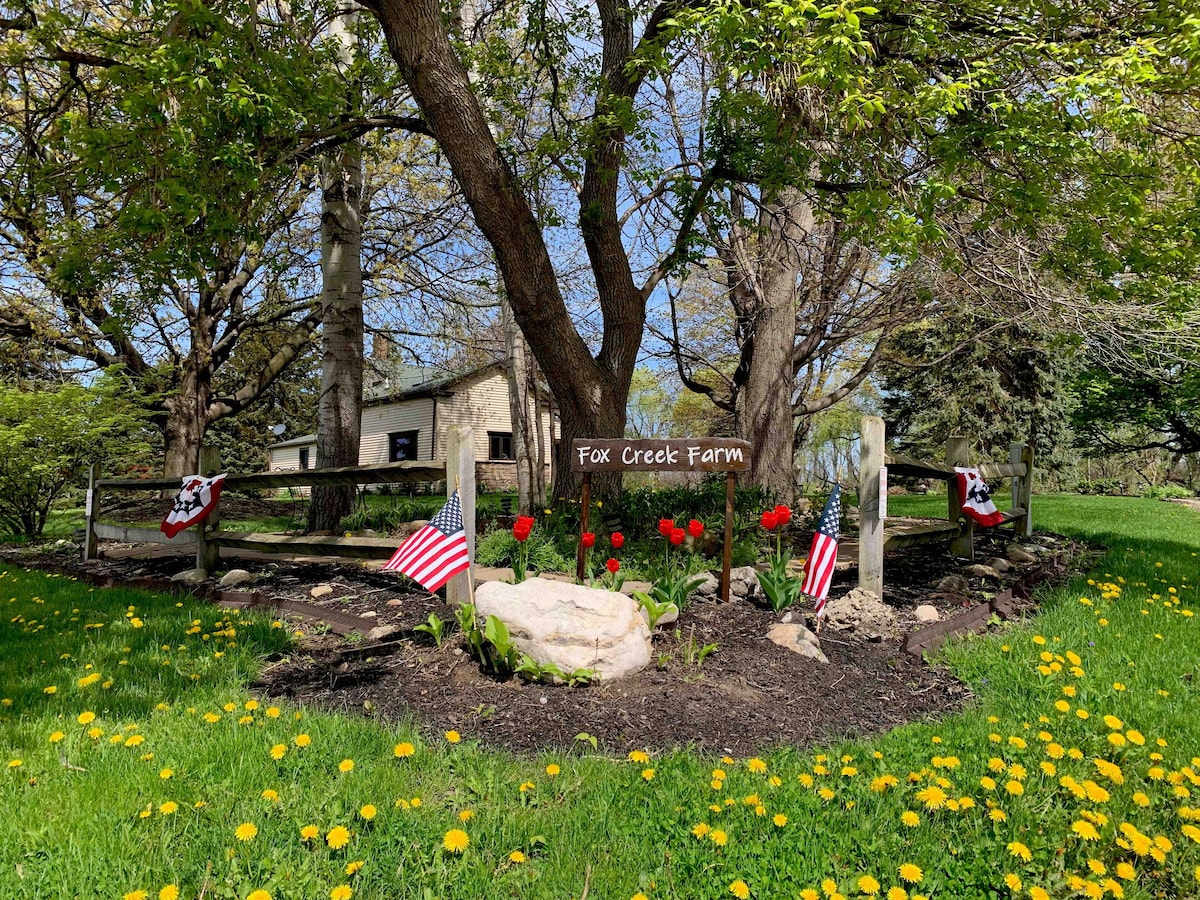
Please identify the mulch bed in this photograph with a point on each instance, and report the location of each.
(746, 697)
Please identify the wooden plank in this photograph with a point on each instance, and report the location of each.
(409, 471)
(705, 454)
(911, 467)
(928, 639)
(339, 622)
(308, 544)
(90, 550)
(992, 471)
(912, 535)
(871, 534)
(958, 450)
(130, 535)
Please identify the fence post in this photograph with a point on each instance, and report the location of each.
(958, 454)
(870, 536)
(460, 475)
(208, 555)
(1022, 488)
(90, 549)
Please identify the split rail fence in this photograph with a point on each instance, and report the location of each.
(458, 471)
(875, 538)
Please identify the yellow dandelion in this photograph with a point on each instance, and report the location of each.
(260, 894)
(642, 757)
(453, 737)
(911, 873)
(1020, 851)
(1012, 881)
(756, 765)
(404, 750)
(168, 807)
(648, 774)
(86, 717)
(278, 751)
(517, 857)
(896, 893)
(739, 889)
(309, 833)
(346, 765)
(1085, 830)
(1038, 893)
(302, 740)
(338, 837)
(455, 840)
(271, 795)
(247, 831)
(780, 820)
(719, 837)
(368, 812)
(910, 818)
(553, 769)
(868, 885)
(168, 892)
(341, 892)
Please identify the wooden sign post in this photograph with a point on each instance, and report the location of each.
(677, 455)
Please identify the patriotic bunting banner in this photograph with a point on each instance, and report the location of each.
(437, 552)
(977, 497)
(818, 571)
(192, 504)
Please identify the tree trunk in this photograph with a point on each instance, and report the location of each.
(765, 417)
(516, 368)
(186, 422)
(339, 409)
(591, 391)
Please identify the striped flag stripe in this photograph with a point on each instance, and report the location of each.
(437, 552)
(447, 556)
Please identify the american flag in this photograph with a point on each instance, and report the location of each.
(818, 572)
(437, 552)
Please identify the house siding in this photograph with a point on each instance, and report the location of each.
(380, 421)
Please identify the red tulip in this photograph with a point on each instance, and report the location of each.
(617, 540)
(783, 514)
(676, 536)
(526, 521)
(769, 520)
(695, 528)
(613, 565)
(665, 526)
(521, 531)
(588, 539)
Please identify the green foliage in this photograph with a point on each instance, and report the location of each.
(499, 548)
(491, 646)
(1012, 385)
(48, 436)
(435, 627)
(654, 607)
(640, 509)
(386, 515)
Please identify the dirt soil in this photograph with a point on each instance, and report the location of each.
(746, 696)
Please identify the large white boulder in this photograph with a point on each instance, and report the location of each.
(572, 626)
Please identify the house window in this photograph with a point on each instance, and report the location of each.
(304, 463)
(402, 445)
(500, 445)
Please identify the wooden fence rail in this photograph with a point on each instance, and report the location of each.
(875, 538)
(458, 471)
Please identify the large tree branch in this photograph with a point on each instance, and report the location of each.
(252, 389)
(816, 404)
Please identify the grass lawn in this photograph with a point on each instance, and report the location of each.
(135, 764)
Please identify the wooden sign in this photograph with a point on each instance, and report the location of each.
(677, 455)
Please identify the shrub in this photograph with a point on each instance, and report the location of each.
(499, 548)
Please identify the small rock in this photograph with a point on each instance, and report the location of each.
(787, 617)
(927, 614)
(978, 571)
(1019, 554)
(395, 601)
(708, 589)
(234, 578)
(798, 639)
(953, 584)
(190, 576)
(369, 532)
(382, 632)
(1000, 565)
(861, 612)
(743, 583)
(370, 614)
(321, 590)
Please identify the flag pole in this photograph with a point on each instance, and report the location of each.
(470, 562)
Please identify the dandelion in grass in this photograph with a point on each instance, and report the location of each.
(829, 887)
(933, 797)
(719, 837)
(260, 894)
(910, 818)
(86, 717)
(353, 868)
(404, 750)
(1020, 851)
(1086, 830)
(639, 756)
(247, 831)
(453, 737)
(756, 765)
(278, 751)
(466, 815)
(309, 833)
(1038, 893)
(346, 765)
(169, 807)
(1012, 882)
(911, 873)
(553, 769)
(338, 837)
(517, 857)
(455, 840)
(135, 895)
(647, 774)
(780, 820)
(341, 892)
(639, 896)
(739, 889)
(95, 733)
(368, 812)
(868, 885)
(168, 892)
(302, 740)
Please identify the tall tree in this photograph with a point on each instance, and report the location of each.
(339, 412)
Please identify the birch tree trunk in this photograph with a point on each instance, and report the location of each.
(524, 432)
(339, 410)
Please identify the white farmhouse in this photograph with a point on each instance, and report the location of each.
(405, 416)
